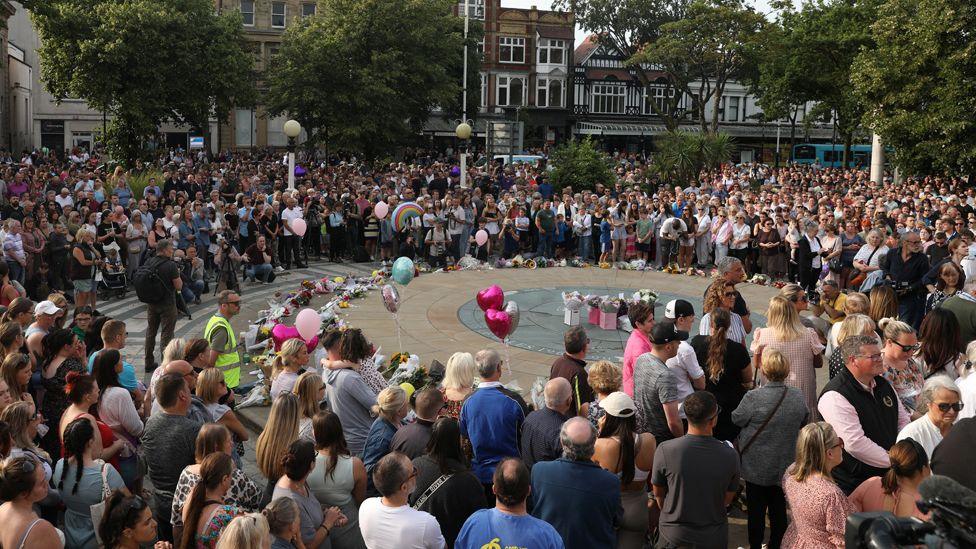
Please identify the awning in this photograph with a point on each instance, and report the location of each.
(621, 128)
(439, 126)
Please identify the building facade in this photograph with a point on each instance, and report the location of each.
(611, 104)
(525, 73)
(265, 22)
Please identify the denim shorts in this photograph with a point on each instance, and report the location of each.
(84, 285)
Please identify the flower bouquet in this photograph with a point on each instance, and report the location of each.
(645, 295)
(608, 313)
(760, 279)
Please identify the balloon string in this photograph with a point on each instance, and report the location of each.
(508, 358)
(396, 320)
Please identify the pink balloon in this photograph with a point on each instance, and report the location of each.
(298, 227)
(308, 324)
(498, 322)
(281, 333)
(381, 209)
(481, 237)
(491, 297)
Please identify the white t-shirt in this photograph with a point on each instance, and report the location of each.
(685, 367)
(866, 252)
(967, 386)
(290, 214)
(924, 432)
(398, 527)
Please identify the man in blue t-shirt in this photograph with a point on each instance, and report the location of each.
(509, 523)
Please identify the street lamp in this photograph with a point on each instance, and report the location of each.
(463, 132)
(292, 128)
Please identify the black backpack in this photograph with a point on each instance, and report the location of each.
(149, 286)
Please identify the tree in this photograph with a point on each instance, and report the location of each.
(364, 75)
(628, 25)
(580, 165)
(704, 50)
(682, 155)
(919, 84)
(828, 34)
(143, 62)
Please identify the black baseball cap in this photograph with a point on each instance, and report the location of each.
(665, 332)
(677, 308)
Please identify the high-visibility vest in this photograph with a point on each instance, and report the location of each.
(227, 362)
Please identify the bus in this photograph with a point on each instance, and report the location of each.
(831, 156)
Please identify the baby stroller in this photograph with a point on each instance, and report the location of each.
(111, 277)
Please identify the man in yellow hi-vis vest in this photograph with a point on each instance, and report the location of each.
(220, 334)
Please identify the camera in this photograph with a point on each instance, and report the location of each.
(952, 523)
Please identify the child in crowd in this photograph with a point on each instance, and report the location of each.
(606, 242)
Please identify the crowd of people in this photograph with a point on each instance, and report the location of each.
(876, 289)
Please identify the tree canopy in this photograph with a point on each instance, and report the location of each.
(364, 75)
(143, 62)
(581, 165)
(919, 83)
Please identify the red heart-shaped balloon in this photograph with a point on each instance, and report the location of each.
(498, 322)
(491, 297)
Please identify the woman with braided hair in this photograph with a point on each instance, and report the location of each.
(83, 481)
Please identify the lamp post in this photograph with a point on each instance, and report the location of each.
(463, 132)
(291, 128)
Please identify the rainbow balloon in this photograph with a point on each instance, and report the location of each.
(404, 212)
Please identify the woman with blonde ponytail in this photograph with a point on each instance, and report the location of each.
(727, 370)
(287, 366)
(392, 405)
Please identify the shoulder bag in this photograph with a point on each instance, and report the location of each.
(98, 509)
(430, 490)
(764, 423)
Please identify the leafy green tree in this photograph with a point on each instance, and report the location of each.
(827, 36)
(143, 62)
(365, 75)
(919, 84)
(701, 52)
(581, 165)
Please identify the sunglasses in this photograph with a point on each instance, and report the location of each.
(945, 406)
(907, 348)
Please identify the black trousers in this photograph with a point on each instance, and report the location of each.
(759, 500)
(337, 242)
(289, 250)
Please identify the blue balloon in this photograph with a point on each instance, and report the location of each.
(403, 270)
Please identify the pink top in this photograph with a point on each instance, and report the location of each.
(870, 496)
(637, 344)
(820, 512)
(841, 415)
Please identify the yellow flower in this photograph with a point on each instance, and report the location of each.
(339, 280)
(343, 305)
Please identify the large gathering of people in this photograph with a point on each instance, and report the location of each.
(875, 286)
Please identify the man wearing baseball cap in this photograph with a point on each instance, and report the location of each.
(45, 314)
(655, 385)
(684, 365)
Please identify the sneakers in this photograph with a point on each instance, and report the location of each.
(279, 269)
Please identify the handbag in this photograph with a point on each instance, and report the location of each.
(835, 264)
(858, 277)
(764, 423)
(98, 509)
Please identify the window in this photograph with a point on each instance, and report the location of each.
(608, 98)
(551, 51)
(657, 95)
(475, 8)
(278, 15)
(273, 49)
(511, 50)
(308, 9)
(481, 47)
(484, 90)
(732, 109)
(511, 91)
(549, 92)
(247, 12)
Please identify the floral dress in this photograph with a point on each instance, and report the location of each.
(906, 382)
(820, 513)
(220, 518)
(243, 493)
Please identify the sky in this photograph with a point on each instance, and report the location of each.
(760, 5)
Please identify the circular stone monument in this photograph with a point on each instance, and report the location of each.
(541, 326)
